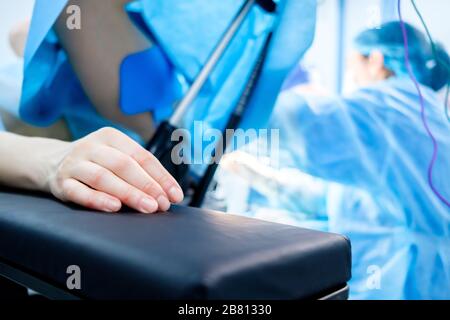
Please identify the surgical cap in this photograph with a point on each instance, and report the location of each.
(388, 39)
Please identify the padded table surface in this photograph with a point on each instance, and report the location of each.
(185, 254)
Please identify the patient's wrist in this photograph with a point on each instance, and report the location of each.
(30, 161)
(49, 154)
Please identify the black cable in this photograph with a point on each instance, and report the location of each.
(233, 124)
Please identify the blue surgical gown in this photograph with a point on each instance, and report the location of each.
(184, 34)
(373, 149)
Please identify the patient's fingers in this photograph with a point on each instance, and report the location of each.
(130, 171)
(105, 181)
(75, 191)
(147, 161)
(160, 174)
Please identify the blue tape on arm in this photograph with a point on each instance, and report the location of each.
(148, 82)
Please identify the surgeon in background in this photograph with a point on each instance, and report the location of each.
(362, 161)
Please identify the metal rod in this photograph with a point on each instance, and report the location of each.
(178, 116)
(233, 123)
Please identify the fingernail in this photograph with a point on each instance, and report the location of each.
(163, 203)
(148, 205)
(112, 206)
(176, 194)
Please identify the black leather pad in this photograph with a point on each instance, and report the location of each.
(185, 254)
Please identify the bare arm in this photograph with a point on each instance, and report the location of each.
(101, 171)
(96, 51)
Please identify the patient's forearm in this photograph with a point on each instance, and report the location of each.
(96, 51)
(23, 159)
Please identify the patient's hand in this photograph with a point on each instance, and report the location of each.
(107, 169)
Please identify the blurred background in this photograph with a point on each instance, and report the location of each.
(11, 13)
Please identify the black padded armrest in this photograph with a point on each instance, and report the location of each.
(185, 254)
